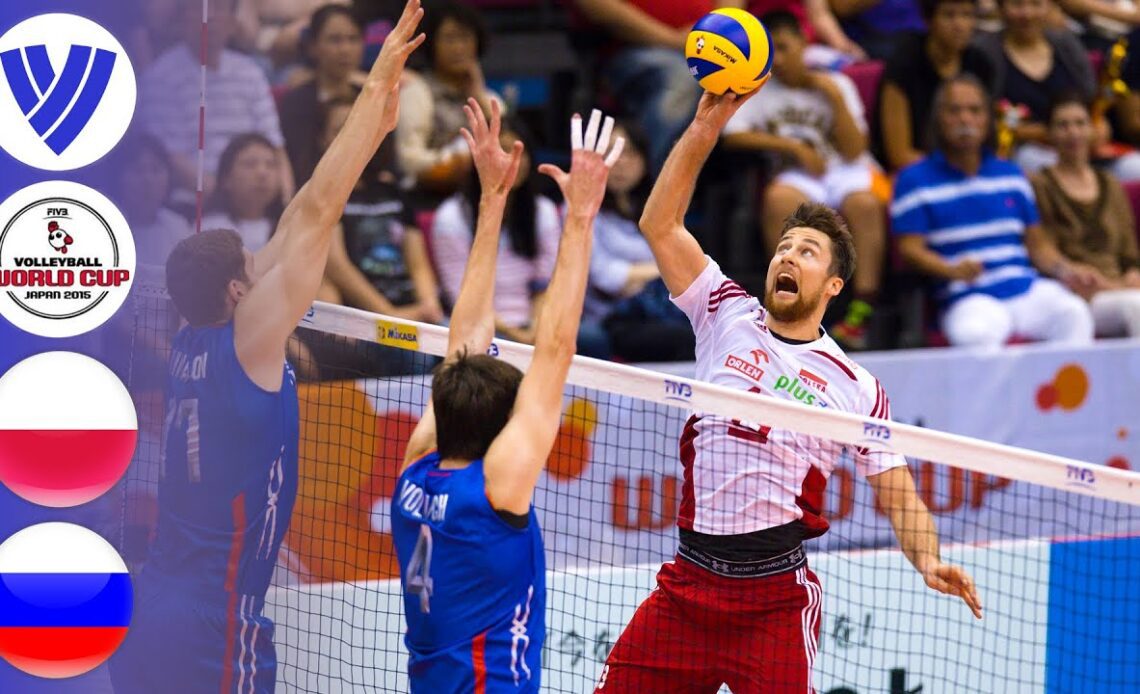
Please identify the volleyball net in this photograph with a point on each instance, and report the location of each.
(1052, 543)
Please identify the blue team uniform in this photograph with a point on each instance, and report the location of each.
(474, 585)
(225, 497)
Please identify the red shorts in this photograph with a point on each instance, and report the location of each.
(698, 630)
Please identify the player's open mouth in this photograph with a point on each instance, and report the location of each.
(786, 285)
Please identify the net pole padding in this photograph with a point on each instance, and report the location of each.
(972, 454)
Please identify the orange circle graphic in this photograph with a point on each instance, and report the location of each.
(1072, 385)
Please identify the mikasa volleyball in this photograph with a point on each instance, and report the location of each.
(729, 50)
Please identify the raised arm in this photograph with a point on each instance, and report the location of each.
(473, 320)
(518, 454)
(679, 256)
(280, 297)
(918, 538)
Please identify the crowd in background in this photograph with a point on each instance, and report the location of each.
(982, 154)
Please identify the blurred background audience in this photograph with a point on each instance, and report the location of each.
(1037, 98)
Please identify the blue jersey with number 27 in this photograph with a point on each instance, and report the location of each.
(474, 586)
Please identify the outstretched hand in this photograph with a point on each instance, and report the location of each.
(715, 110)
(497, 168)
(953, 580)
(585, 186)
(389, 66)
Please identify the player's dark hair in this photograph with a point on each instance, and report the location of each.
(199, 271)
(473, 396)
(827, 221)
(782, 20)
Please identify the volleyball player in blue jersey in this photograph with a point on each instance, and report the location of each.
(469, 546)
(229, 471)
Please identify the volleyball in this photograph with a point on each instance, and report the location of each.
(729, 49)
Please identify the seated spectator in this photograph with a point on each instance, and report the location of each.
(140, 173)
(378, 260)
(1087, 214)
(528, 247)
(334, 46)
(817, 22)
(1100, 23)
(142, 167)
(1124, 108)
(645, 66)
(248, 200)
(248, 196)
(156, 29)
(912, 75)
(1035, 65)
(429, 148)
(875, 25)
(627, 306)
(238, 100)
(814, 122)
(279, 25)
(969, 220)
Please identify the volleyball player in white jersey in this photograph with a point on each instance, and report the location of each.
(739, 605)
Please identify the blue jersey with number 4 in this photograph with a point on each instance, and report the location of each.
(474, 585)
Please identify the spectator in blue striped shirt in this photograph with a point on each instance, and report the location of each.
(970, 220)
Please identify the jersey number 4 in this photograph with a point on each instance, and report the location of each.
(419, 570)
(182, 420)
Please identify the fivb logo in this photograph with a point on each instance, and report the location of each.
(69, 92)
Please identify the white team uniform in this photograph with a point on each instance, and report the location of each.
(741, 477)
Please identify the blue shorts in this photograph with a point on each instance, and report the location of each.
(494, 662)
(190, 645)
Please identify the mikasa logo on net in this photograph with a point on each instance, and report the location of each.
(67, 259)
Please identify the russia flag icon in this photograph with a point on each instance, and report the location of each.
(68, 429)
(65, 600)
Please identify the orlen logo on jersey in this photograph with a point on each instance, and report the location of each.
(750, 370)
(678, 390)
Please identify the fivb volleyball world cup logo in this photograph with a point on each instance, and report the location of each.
(69, 92)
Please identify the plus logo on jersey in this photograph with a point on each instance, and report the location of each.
(70, 92)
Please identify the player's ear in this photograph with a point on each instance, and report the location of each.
(833, 286)
(236, 291)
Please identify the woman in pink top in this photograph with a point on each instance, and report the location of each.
(527, 250)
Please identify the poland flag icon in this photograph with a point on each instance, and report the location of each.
(67, 429)
(65, 600)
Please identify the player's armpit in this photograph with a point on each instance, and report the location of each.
(679, 257)
(422, 441)
(266, 317)
(517, 455)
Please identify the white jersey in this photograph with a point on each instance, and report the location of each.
(741, 477)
